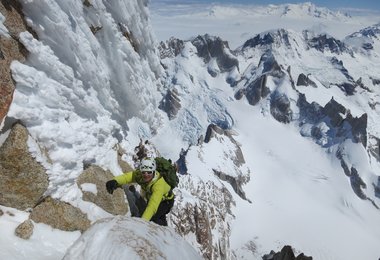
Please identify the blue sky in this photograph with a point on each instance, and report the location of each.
(374, 5)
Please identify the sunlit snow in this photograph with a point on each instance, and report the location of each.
(79, 94)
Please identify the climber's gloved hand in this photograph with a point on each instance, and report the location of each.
(132, 188)
(111, 186)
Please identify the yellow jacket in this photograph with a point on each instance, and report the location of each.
(155, 191)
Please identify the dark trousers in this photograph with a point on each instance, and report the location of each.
(137, 205)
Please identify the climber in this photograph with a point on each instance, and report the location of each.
(159, 198)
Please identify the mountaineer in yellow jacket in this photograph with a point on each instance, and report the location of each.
(158, 194)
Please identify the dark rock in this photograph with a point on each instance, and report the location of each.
(309, 113)
(368, 32)
(348, 88)
(270, 65)
(357, 184)
(374, 148)
(240, 94)
(286, 253)
(236, 183)
(171, 48)
(213, 72)
(323, 43)
(212, 131)
(358, 128)
(334, 110)
(377, 187)
(338, 64)
(256, 90)
(367, 46)
(356, 181)
(375, 81)
(259, 40)
(267, 40)
(304, 80)
(181, 162)
(209, 47)
(171, 103)
(280, 108)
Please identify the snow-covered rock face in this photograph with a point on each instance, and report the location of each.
(11, 24)
(80, 84)
(205, 203)
(366, 39)
(130, 238)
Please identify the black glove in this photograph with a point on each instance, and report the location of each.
(132, 188)
(111, 186)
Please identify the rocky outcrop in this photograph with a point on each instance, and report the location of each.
(357, 184)
(209, 47)
(332, 125)
(171, 48)
(236, 183)
(23, 180)
(335, 112)
(94, 179)
(324, 43)
(309, 112)
(25, 229)
(350, 85)
(286, 253)
(267, 40)
(211, 210)
(254, 91)
(280, 108)
(304, 80)
(374, 147)
(358, 127)
(60, 215)
(171, 103)
(351, 127)
(332, 116)
(236, 155)
(270, 66)
(376, 186)
(10, 49)
(213, 131)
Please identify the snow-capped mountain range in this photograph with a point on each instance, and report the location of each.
(277, 140)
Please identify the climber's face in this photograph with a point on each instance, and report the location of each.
(147, 176)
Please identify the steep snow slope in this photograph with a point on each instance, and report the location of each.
(79, 88)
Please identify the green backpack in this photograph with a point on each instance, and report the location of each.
(167, 171)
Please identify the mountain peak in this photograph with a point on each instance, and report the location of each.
(306, 9)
